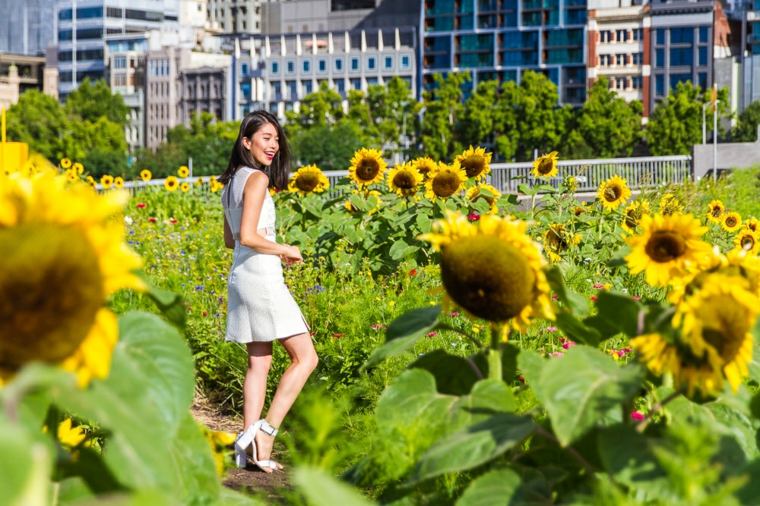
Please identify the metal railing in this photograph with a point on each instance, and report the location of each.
(639, 172)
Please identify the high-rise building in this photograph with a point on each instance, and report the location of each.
(84, 26)
(234, 16)
(751, 54)
(500, 39)
(25, 26)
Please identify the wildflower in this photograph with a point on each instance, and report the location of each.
(140, 205)
(367, 167)
(545, 166)
(637, 416)
(152, 219)
(171, 183)
(183, 171)
(146, 175)
(65, 163)
(106, 181)
(473, 216)
(613, 192)
(669, 205)
(118, 182)
(667, 247)
(475, 162)
(308, 179)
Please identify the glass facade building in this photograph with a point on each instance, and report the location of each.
(500, 39)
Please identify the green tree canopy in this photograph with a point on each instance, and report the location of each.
(443, 107)
(747, 123)
(329, 147)
(93, 100)
(676, 122)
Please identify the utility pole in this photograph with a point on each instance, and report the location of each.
(715, 102)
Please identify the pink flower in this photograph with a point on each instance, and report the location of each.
(637, 416)
(551, 328)
(567, 344)
(473, 216)
(141, 205)
(636, 298)
(432, 333)
(454, 314)
(555, 296)
(377, 326)
(556, 354)
(598, 286)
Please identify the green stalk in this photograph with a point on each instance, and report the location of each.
(494, 354)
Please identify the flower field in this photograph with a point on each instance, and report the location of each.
(475, 347)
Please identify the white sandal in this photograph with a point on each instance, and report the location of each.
(247, 438)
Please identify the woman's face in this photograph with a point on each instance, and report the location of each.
(264, 144)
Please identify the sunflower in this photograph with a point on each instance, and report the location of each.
(219, 443)
(475, 162)
(731, 222)
(485, 192)
(35, 164)
(118, 182)
(445, 181)
(367, 167)
(668, 355)
(68, 435)
(748, 241)
(545, 166)
(667, 247)
(71, 175)
(570, 184)
(633, 214)
(715, 210)
(215, 185)
(91, 181)
(146, 175)
(65, 163)
(743, 267)
(752, 224)
(78, 168)
(64, 255)
(719, 317)
(308, 179)
(368, 196)
(557, 240)
(183, 171)
(424, 166)
(669, 204)
(492, 268)
(171, 183)
(184, 187)
(613, 192)
(580, 209)
(106, 181)
(404, 179)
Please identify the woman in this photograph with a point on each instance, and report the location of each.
(260, 307)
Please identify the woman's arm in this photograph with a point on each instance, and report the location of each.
(253, 200)
(229, 240)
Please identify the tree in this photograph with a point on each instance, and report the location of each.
(608, 125)
(393, 111)
(91, 101)
(40, 121)
(747, 123)
(320, 108)
(329, 147)
(676, 123)
(443, 108)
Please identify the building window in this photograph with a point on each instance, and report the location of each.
(661, 36)
(371, 63)
(636, 82)
(620, 60)
(659, 85)
(338, 64)
(636, 34)
(292, 90)
(681, 35)
(354, 63)
(322, 65)
(702, 56)
(244, 69)
(307, 86)
(637, 58)
(704, 34)
(620, 35)
(702, 80)
(356, 83)
(275, 68)
(405, 62)
(291, 66)
(659, 58)
(340, 85)
(605, 36)
(307, 66)
(604, 60)
(681, 56)
(388, 62)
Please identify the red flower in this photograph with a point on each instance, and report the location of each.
(141, 205)
(173, 220)
(413, 272)
(338, 335)
(636, 298)
(598, 286)
(594, 298)
(567, 344)
(152, 219)
(432, 333)
(637, 416)
(473, 216)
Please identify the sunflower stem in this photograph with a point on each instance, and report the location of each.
(494, 355)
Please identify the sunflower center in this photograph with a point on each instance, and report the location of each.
(473, 165)
(716, 212)
(488, 277)
(730, 221)
(445, 184)
(50, 290)
(724, 326)
(747, 242)
(367, 169)
(404, 181)
(306, 182)
(612, 193)
(665, 246)
(555, 240)
(545, 166)
(632, 217)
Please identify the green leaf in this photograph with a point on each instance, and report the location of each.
(526, 189)
(473, 446)
(453, 375)
(577, 304)
(499, 486)
(577, 330)
(531, 364)
(321, 489)
(584, 389)
(487, 398)
(404, 332)
(628, 457)
(169, 303)
(25, 467)
(749, 493)
(615, 314)
(398, 249)
(410, 396)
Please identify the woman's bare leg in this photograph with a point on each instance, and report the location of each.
(303, 361)
(255, 385)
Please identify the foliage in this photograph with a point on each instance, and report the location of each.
(442, 106)
(747, 123)
(92, 101)
(676, 123)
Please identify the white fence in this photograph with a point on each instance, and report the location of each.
(639, 172)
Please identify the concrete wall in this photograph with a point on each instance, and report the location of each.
(740, 155)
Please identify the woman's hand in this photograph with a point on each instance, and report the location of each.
(291, 254)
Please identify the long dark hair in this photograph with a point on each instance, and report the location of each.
(279, 170)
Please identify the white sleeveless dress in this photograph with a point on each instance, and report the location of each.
(259, 304)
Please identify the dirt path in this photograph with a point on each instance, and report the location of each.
(265, 485)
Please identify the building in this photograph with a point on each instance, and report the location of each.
(126, 76)
(494, 39)
(204, 89)
(750, 54)
(25, 26)
(619, 48)
(22, 72)
(234, 16)
(276, 72)
(85, 25)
